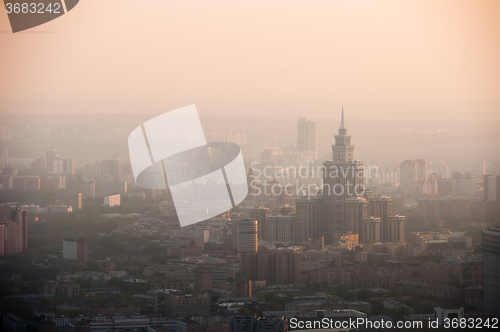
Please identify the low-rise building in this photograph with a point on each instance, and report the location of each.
(62, 289)
(441, 314)
(112, 200)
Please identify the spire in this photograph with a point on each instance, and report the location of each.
(342, 119)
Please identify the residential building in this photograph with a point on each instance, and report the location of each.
(13, 230)
(307, 137)
(463, 184)
(413, 175)
(451, 314)
(75, 250)
(491, 270)
(112, 200)
(245, 235)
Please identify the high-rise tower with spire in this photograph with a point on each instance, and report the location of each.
(342, 150)
(343, 179)
(342, 205)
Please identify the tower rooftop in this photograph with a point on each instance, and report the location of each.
(342, 119)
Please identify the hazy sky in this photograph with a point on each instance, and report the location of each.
(397, 59)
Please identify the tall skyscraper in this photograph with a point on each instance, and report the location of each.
(308, 212)
(463, 184)
(356, 211)
(246, 242)
(343, 177)
(112, 169)
(260, 214)
(491, 188)
(68, 166)
(343, 151)
(51, 156)
(307, 137)
(380, 207)
(245, 235)
(413, 176)
(86, 188)
(391, 226)
(342, 205)
(13, 231)
(371, 230)
(278, 228)
(491, 270)
(21, 217)
(393, 230)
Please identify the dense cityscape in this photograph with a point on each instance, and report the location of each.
(249, 166)
(85, 249)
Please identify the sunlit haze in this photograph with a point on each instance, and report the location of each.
(400, 60)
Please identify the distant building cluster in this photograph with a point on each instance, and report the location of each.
(414, 179)
(342, 206)
(313, 239)
(239, 138)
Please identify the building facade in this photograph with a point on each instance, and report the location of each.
(307, 137)
(112, 200)
(245, 235)
(343, 178)
(491, 270)
(13, 230)
(75, 250)
(413, 176)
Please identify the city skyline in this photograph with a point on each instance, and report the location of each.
(229, 166)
